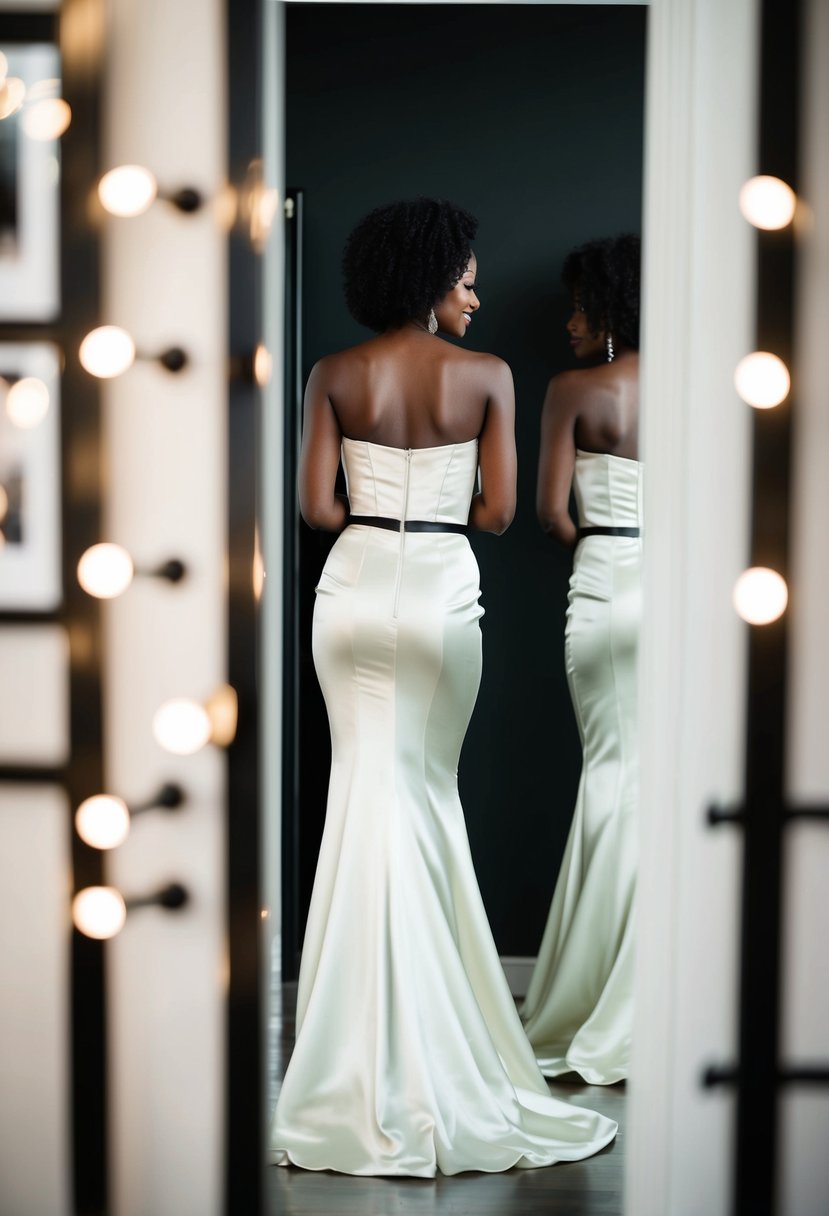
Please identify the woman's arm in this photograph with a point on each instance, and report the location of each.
(319, 457)
(557, 459)
(493, 508)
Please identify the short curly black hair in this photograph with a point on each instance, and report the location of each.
(603, 276)
(404, 257)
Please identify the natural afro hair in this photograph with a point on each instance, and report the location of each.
(404, 257)
(603, 276)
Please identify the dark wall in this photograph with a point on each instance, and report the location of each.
(531, 117)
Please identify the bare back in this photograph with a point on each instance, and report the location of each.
(409, 390)
(595, 409)
(606, 408)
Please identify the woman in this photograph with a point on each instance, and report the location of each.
(410, 1056)
(578, 1010)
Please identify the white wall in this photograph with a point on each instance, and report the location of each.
(35, 1102)
(164, 435)
(698, 313)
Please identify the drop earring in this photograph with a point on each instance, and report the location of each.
(609, 344)
(432, 322)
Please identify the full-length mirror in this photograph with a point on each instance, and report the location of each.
(531, 119)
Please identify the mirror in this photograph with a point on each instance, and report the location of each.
(533, 120)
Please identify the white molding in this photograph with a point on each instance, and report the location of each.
(698, 314)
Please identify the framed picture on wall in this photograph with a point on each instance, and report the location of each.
(29, 182)
(30, 482)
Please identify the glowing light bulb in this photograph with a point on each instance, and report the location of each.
(181, 726)
(103, 821)
(47, 119)
(99, 912)
(767, 202)
(262, 365)
(105, 570)
(760, 595)
(127, 190)
(4, 69)
(12, 96)
(762, 380)
(222, 708)
(27, 402)
(107, 351)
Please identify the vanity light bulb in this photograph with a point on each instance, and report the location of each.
(181, 726)
(103, 821)
(46, 119)
(767, 202)
(760, 595)
(762, 380)
(27, 402)
(107, 351)
(99, 912)
(105, 571)
(12, 96)
(128, 190)
(262, 365)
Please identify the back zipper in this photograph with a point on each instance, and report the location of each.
(402, 532)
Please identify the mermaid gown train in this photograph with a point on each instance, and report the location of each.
(579, 1006)
(410, 1057)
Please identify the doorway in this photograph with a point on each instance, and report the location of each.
(533, 120)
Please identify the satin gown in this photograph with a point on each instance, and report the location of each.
(579, 1006)
(410, 1057)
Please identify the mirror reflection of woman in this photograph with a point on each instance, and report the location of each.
(410, 1057)
(579, 1005)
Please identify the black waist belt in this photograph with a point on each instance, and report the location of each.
(409, 525)
(601, 531)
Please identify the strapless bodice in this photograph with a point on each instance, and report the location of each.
(411, 483)
(608, 490)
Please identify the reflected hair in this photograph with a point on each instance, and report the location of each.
(404, 257)
(603, 277)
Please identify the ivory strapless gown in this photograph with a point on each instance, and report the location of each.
(579, 1007)
(410, 1056)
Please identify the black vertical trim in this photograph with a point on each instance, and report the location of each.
(290, 594)
(244, 1132)
(762, 896)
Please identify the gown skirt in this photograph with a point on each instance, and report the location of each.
(410, 1057)
(579, 1007)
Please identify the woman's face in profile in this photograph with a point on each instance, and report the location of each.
(454, 312)
(584, 343)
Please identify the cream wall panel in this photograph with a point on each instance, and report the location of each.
(35, 885)
(164, 280)
(698, 312)
(34, 708)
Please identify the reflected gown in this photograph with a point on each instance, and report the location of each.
(410, 1057)
(579, 1006)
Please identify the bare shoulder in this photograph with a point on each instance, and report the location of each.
(332, 366)
(568, 391)
(491, 369)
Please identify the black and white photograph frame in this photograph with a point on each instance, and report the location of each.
(29, 187)
(30, 478)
